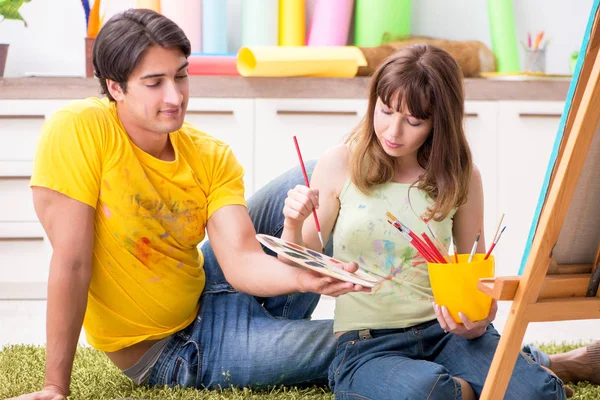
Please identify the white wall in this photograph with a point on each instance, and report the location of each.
(50, 47)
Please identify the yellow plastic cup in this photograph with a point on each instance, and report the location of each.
(454, 285)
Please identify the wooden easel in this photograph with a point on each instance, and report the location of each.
(559, 281)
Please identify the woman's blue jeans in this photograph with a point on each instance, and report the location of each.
(421, 362)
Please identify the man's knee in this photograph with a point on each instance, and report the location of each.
(530, 380)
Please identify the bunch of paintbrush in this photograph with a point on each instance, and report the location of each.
(424, 245)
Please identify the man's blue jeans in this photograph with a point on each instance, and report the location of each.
(241, 340)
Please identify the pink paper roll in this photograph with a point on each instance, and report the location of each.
(212, 65)
(330, 23)
(188, 15)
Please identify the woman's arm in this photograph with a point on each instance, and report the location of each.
(468, 220)
(328, 179)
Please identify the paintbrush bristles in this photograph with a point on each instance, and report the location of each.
(391, 216)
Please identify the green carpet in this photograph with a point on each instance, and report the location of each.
(94, 377)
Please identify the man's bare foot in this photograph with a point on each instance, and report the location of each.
(581, 364)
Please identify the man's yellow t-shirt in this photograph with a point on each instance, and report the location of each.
(147, 272)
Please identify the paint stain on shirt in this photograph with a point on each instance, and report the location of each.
(141, 249)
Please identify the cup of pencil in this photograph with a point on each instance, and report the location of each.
(454, 285)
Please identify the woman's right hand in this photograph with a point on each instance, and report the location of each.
(299, 204)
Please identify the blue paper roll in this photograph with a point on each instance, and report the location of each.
(214, 26)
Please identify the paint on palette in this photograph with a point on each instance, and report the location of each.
(315, 254)
(296, 255)
(316, 261)
(316, 264)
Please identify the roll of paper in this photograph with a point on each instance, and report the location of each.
(214, 26)
(322, 61)
(201, 64)
(291, 23)
(260, 22)
(150, 4)
(330, 23)
(188, 15)
(502, 32)
(381, 21)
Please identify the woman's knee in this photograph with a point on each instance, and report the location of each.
(440, 386)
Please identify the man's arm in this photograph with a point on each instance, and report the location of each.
(250, 270)
(69, 225)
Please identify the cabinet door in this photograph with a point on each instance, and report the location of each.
(20, 124)
(24, 251)
(481, 131)
(526, 133)
(232, 121)
(318, 125)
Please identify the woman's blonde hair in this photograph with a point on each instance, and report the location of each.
(428, 82)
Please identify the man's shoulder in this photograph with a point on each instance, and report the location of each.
(83, 110)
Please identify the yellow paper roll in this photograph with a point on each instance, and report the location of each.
(318, 61)
(291, 23)
(150, 4)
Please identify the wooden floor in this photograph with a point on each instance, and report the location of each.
(23, 322)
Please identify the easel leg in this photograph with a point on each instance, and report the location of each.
(506, 355)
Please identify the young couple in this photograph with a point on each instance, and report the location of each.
(126, 190)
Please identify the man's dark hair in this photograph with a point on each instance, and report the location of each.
(122, 41)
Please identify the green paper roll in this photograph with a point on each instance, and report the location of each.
(381, 21)
(504, 38)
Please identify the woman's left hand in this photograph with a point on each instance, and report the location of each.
(468, 329)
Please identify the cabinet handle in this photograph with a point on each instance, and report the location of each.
(22, 117)
(539, 115)
(332, 113)
(210, 112)
(21, 238)
(472, 115)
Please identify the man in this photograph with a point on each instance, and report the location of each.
(125, 189)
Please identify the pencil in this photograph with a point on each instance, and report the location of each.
(474, 247)
(308, 185)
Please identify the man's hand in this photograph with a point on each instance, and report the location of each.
(48, 393)
(468, 329)
(312, 281)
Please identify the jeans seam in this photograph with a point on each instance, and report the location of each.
(355, 395)
(337, 371)
(286, 306)
(433, 387)
(279, 228)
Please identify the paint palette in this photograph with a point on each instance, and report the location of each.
(316, 261)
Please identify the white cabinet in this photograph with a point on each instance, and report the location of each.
(24, 251)
(510, 142)
(318, 124)
(20, 124)
(526, 135)
(481, 129)
(232, 121)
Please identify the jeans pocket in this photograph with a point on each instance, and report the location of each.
(186, 368)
